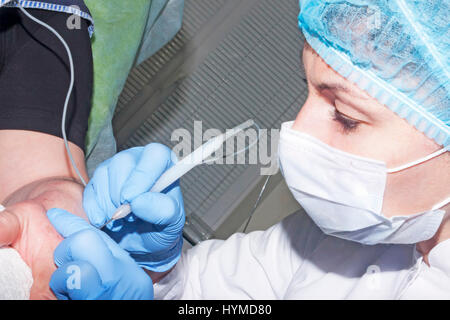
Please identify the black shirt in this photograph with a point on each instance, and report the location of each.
(66, 6)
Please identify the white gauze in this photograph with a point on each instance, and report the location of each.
(15, 276)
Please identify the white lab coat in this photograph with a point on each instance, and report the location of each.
(296, 260)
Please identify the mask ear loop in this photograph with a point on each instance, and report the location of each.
(442, 204)
(422, 160)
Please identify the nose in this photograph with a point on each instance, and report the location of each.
(314, 119)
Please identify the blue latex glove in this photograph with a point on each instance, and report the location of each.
(152, 233)
(92, 266)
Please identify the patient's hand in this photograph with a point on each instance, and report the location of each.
(25, 227)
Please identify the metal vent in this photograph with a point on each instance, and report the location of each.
(195, 15)
(232, 61)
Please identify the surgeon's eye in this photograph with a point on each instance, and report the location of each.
(348, 124)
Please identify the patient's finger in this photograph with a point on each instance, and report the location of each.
(9, 227)
(77, 280)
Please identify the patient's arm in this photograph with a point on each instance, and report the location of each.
(35, 175)
(27, 157)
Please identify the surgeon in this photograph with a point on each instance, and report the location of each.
(367, 158)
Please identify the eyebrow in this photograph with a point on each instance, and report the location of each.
(343, 87)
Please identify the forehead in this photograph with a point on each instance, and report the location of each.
(322, 76)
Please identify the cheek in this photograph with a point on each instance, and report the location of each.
(41, 245)
(389, 140)
(39, 239)
(417, 189)
(399, 194)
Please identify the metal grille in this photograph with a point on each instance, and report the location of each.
(249, 68)
(195, 15)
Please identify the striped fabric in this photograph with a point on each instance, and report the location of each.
(71, 7)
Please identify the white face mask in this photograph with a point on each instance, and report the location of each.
(343, 193)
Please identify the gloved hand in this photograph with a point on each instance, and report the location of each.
(152, 233)
(92, 266)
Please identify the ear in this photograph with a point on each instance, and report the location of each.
(9, 227)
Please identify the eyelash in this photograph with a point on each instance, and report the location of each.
(347, 124)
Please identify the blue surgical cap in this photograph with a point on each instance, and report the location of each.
(396, 50)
